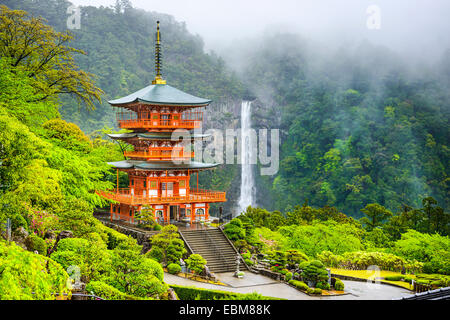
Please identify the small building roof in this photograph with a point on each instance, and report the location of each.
(162, 165)
(153, 136)
(161, 94)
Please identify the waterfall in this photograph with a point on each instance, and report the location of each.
(247, 197)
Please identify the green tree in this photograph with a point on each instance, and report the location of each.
(375, 215)
(196, 263)
(32, 45)
(28, 276)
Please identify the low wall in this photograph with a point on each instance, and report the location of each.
(142, 237)
(270, 274)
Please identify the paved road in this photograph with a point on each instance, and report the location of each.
(269, 287)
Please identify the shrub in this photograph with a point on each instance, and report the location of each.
(361, 260)
(235, 229)
(76, 245)
(67, 258)
(116, 238)
(323, 285)
(288, 276)
(246, 255)
(284, 271)
(23, 272)
(155, 253)
(157, 227)
(317, 291)
(310, 291)
(107, 292)
(174, 268)
(314, 271)
(196, 263)
(194, 293)
(393, 278)
(300, 285)
(329, 259)
(241, 244)
(434, 279)
(295, 256)
(339, 285)
(33, 242)
(175, 251)
(249, 262)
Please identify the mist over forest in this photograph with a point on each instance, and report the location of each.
(359, 122)
(362, 112)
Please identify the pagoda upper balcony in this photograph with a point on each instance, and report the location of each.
(161, 154)
(161, 121)
(127, 197)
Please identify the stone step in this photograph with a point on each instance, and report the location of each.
(200, 242)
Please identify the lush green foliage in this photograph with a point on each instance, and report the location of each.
(174, 268)
(35, 243)
(361, 260)
(433, 250)
(28, 276)
(339, 285)
(314, 272)
(107, 292)
(317, 237)
(167, 247)
(196, 263)
(235, 229)
(352, 134)
(193, 293)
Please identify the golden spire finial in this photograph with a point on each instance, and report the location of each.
(158, 78)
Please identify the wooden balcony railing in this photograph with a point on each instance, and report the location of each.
(146, 120)
(161, 153)
(125, 196)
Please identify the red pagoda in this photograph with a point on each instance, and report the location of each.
(159, 168)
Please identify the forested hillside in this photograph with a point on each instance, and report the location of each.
(359, 124)
(119, 47)
(363, 134)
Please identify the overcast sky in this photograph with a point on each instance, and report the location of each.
(407, 26)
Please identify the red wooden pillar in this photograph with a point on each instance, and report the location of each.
(192, 212)
(165, 212)
(117, 184)
(206, 211)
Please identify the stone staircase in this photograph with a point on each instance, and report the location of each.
(213, 246)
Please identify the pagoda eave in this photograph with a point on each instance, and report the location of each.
(162, 165)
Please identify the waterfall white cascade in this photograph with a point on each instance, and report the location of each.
(247, 197)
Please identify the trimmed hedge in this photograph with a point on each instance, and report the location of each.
(339, 285)
(193, 293)
(288, 276)
(300, 285)
(33, 242)
(317, 291)
(108, 292)
(174, 268)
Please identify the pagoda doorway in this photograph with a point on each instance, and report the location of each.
(174, 213)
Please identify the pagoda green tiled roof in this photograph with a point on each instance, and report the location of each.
(161, 94)
(162, 165)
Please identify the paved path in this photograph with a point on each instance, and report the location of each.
(269, 287)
